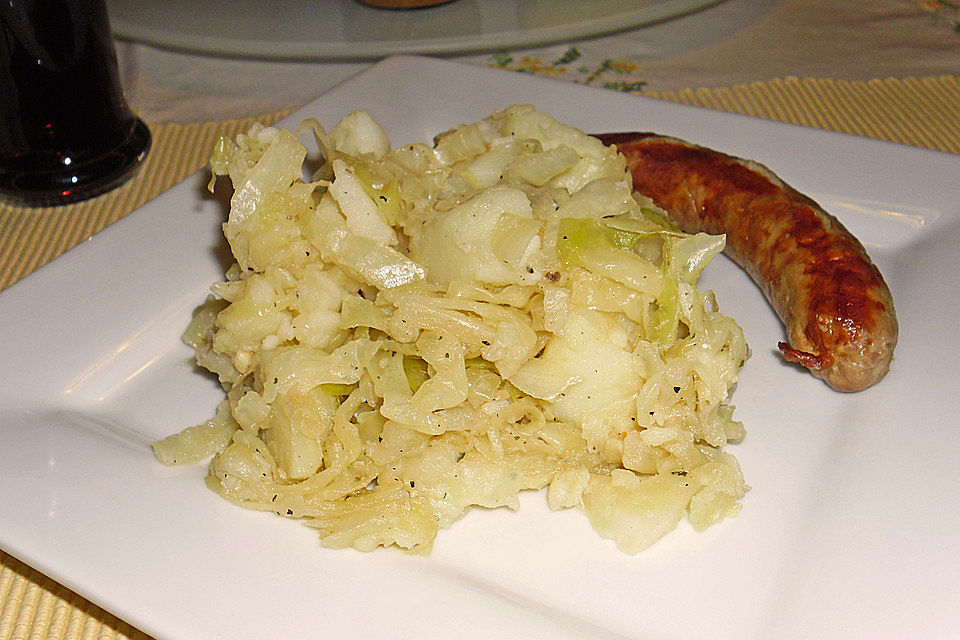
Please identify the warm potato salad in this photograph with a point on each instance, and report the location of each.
(415, 331)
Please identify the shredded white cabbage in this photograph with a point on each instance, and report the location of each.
(422, 330)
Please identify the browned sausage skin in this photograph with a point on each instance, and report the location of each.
(837, 309)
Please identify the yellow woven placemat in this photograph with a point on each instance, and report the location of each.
(922, 112)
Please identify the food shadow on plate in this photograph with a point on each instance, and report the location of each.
(220, 196)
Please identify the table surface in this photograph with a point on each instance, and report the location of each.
(731, 43)
(868, 68)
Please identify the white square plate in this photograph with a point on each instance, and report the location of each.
(850, 529)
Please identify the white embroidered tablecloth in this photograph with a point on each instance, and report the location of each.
(734, 42)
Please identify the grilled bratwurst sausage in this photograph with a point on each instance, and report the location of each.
(837, 310)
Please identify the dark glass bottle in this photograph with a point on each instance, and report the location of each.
(66, 131)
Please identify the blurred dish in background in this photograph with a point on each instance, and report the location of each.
(403, 4)
(350, 30)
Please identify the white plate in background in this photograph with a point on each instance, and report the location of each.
(850, 528)
(347, 29)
